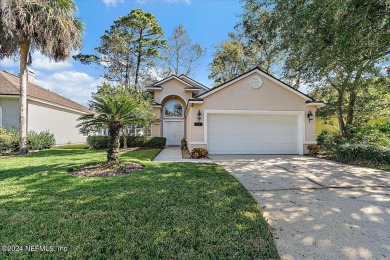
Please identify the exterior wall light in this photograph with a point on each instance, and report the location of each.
(310, 116)
(199, 115)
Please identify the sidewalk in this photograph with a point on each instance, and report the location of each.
(173, 154)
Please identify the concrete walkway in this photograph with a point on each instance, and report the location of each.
(173, 154)
(318, 209)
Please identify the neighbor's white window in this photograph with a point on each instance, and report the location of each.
(1, 116)
(173, 109)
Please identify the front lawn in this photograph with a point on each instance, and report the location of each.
(167, 210)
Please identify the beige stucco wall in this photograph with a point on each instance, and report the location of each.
(156, 126)
(41, 117)
(240, 96)
(172, 90)
(10, 112)
(62, 123)
(172, 87)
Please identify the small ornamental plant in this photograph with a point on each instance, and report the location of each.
(314, 149)
(198, 153)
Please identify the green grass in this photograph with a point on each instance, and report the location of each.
(167, 210)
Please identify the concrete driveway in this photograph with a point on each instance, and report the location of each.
(318, 209)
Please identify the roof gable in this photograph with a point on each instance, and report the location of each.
(262, 73)
(158, 83)
(9, 85)
(193, 82)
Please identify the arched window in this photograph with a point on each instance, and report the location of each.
(173, 109)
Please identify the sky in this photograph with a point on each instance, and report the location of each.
(206, 21)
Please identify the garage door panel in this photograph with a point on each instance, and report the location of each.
(252, 134)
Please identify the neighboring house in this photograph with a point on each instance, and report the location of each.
(45, 110)
(254, 113)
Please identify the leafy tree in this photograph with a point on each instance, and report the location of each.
(232, 58)
(182, 57)
(131, 45)
(260, 31)
(114, 109)
(335, 44)
(46, 26)
(371, 103)
(145, 108)
(256, 42)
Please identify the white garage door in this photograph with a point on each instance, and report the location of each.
(252, 134)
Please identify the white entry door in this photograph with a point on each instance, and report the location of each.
(252, 134)
(173, 131)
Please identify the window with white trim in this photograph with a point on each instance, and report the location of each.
(173, 109)
(1, 116)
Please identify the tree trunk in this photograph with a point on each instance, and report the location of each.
(113, 149)
(24, 49)
(340, 100)
(353, 97)
(139, 56)
(127, 76)
(124, 134)
(351, 106)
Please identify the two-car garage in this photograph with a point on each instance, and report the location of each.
(243, 132)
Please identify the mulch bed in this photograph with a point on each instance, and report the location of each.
(105, 170)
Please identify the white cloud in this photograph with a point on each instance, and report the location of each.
(112, 2)
(74, 85)
(39, 61)
(8, 62)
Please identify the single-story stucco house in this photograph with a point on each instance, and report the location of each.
(254, 113)
(46, 111)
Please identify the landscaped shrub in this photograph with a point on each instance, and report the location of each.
(369, 134)
(98, 142)
(327, 140)
(350, 153)
(137, 141)
(9, 140)
(101, 142)
(314, 149)
(197, 153)
(40, 141)
(156, 142)
(183, 143)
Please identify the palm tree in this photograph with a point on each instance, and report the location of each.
(113, 111)
(47, 26)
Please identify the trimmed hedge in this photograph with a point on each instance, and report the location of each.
(97, 142)
(156, 142)
(362, 152)
(101, 142)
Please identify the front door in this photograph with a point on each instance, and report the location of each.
(173, 131)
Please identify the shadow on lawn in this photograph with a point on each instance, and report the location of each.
(158, 185)
(59, 152)
(175, 209)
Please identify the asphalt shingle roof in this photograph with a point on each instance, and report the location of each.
(9, 85)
